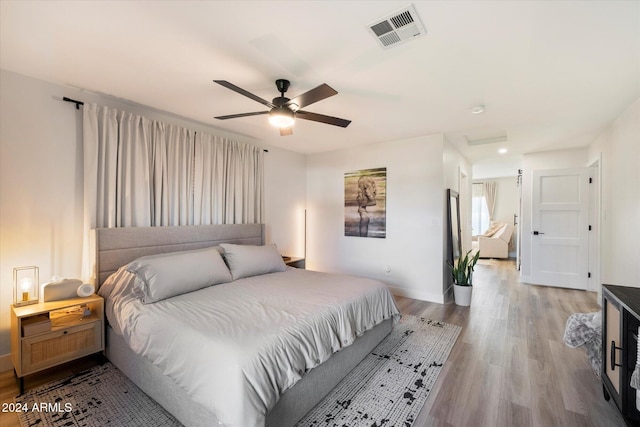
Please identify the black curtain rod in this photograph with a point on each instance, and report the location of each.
(78, 103)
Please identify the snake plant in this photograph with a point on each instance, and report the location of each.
(463, 268)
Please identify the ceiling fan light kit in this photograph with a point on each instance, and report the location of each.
(281, 117)
(283, 111)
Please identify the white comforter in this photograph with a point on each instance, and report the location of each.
(236, 347)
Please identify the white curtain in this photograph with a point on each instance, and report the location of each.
(228, 181)
(133, 172)
(490, 196)
(173, 175)
(141, 172)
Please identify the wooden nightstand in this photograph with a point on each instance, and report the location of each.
(295, 262)
(46, 334)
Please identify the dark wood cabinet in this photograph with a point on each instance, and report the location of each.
(295, 262)
(621, 319)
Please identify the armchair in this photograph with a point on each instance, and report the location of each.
(496, 246)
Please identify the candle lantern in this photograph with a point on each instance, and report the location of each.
(26, 286)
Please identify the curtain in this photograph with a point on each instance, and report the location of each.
(133, 172)
(490, 196)
(173, 161)
(228, 185)
(142, 172)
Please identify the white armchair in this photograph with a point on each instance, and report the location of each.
(496, 246)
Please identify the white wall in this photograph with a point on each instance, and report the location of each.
(456, 166)
(618, 148)
(559, 159)
(41, 183)
(285, 199)
(412, 248)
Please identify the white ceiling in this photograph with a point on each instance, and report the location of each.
(551, 74)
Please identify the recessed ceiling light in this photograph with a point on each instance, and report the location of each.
(502, 150)
(478, 109)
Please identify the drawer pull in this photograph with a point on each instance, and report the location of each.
(65, 333)
(613, 355)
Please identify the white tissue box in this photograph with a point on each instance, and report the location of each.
(64, 289)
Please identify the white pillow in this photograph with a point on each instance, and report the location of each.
(164, 276)
(493, 229)
(249, 260)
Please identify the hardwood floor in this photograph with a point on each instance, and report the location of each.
(509, 366)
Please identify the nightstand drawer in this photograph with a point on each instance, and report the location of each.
(46, 350)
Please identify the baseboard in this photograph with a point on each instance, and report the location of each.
(5, 363)
(416, 294)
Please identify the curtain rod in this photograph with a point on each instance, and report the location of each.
(78, 103)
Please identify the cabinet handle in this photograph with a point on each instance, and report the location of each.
(613, 355)
(65, 333)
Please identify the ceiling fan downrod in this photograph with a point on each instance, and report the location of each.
(282, 85)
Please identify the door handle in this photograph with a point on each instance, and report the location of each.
(613, 355)
(535, 233)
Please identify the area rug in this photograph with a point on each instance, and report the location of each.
(388, 388)
(100, 396)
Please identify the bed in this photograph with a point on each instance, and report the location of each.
(297, 366)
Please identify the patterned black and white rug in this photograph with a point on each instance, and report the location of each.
(100, 396)
(388, 388)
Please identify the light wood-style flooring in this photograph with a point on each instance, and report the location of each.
(509, 366)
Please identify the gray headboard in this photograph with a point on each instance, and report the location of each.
(115, 247)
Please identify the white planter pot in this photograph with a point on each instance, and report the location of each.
(462, 294)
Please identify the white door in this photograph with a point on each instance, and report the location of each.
(560, 240)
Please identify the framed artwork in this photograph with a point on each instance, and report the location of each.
(365, 203)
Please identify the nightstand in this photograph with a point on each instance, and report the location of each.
(48, 334)
(295, 262)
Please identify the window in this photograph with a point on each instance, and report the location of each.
(479, 210)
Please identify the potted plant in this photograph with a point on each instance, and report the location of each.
(462, 272)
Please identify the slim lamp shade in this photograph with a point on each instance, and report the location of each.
(26, 286)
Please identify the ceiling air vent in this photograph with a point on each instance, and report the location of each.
(397, 28)
(486, 138)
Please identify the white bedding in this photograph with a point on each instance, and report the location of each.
(236, 347)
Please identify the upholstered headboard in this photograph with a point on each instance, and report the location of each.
(115, 247)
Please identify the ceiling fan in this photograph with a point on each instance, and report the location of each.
(283, 111)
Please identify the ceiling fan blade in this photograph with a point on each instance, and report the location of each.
(322, 118)
(286, 131)
(314, 95)
(244, 92)
(235, 116)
